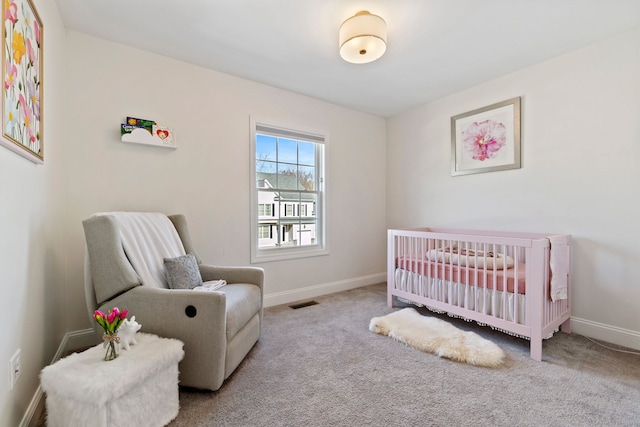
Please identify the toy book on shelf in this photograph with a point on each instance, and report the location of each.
(148, 132)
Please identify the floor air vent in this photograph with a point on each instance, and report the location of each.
(303, 304)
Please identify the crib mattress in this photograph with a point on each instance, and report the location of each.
(514, 277)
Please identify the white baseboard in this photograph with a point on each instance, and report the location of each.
(600, 331)
(71, 341)
(611, 334)
(295, 295)
(81, 339)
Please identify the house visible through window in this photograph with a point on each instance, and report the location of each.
(288, 196)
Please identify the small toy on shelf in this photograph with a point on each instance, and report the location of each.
(148, 132)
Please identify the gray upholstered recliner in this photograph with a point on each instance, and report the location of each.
(218, 328)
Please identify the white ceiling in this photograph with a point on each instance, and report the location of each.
(435, 47)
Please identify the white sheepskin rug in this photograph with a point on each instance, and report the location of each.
(432, 335)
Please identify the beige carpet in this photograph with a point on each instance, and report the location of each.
(321, 366)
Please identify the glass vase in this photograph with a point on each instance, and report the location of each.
(110, 341)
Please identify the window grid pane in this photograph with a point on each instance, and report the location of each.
(287, 175)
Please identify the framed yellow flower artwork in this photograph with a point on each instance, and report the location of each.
(22, 87)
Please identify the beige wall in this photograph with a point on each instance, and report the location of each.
(580, 174)
(207, 178)
(31, 255)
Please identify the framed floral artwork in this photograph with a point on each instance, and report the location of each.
(22, 90)
(486, 139)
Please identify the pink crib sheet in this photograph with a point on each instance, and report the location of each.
(480, 277)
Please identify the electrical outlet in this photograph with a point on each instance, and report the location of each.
(14, 368)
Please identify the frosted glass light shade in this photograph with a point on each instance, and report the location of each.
(363, 38)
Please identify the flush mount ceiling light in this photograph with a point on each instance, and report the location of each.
(363, 38)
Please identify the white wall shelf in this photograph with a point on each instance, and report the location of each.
(142, 136)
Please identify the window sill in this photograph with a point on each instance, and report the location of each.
(280, 254)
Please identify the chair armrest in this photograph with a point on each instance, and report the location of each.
(251, 275)
(163, 312)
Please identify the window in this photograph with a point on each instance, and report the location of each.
(265, 209)
(288, 209)
(264, 231)
(288, 193)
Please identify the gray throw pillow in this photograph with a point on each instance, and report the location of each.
(182, 272)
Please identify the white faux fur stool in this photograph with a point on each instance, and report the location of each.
(139, 388)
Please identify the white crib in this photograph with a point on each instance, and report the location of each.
(518, 283)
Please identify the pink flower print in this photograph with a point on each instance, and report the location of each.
(27, 118)
(31, 53)
(23, 104)
(28, 121)
(11, 73)
(36, 30)
(483, 140)
(11, 11)
(34, 98)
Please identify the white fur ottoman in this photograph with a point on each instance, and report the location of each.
(139, 388)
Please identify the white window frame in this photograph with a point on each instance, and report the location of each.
(320, 247)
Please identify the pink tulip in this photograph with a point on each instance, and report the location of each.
(123, 314)
(12, 13)
(98, 313)
(111, 316)
(36, 30)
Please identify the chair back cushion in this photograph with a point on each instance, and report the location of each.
(126, 249)
(108, 272)
(148, 238)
